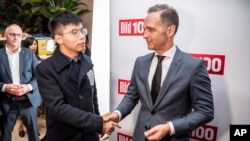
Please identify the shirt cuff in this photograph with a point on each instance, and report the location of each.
(119, 114)
(172, 131)
(3, 88)
(30, 87)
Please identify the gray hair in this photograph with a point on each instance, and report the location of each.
(169, 15)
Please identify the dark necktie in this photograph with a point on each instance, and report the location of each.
(156, 82)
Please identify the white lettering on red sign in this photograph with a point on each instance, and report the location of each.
(131, 27)
(214, 63)
(123, 137)
(204, 133)
(123, 86)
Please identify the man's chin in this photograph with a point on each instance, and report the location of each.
(150, 48)
(80, 49)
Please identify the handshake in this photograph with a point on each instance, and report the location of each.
(110, 121)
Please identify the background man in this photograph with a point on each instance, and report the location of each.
(18, 84)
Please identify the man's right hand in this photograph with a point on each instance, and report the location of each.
(108, 124)
(114, 117)
(12, 89)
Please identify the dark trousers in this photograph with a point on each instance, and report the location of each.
(29, 117)
(1, 127)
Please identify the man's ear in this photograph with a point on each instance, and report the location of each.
(171, 30)
(58, 39)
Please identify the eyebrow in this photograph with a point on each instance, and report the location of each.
(149, 28)
(73, 29)
(77, 29)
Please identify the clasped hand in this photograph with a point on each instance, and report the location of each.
(110, 122)
(17, 89)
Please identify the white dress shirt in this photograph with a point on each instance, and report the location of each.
(165, 65)
(13, 59)
(14, 65)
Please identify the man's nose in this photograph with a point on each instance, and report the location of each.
(145, 34)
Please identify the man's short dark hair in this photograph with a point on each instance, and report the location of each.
(63, 18)
(169, 15)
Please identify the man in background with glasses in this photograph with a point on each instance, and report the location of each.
(18, 86)
(66, 82)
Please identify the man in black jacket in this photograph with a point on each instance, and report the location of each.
(67, 84)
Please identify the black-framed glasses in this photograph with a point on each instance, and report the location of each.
(15, 35)
(77, 32)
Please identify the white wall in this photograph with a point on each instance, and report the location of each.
(101, 51)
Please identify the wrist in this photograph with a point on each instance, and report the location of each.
(115, 117)
(167, 129)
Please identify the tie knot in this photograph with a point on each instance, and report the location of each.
(160, 58)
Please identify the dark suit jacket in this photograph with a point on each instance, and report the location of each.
(185, 88)
(72, 107)
(27, 65)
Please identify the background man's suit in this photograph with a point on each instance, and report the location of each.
(27, 65)
(186, 86)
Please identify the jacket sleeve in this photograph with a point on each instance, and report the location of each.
(201, 101)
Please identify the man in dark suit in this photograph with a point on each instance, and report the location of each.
(184, 100)
(18, 86)
(67, 84)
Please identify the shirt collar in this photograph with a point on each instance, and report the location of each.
(170, 53)
(79, 57)
(9, 52)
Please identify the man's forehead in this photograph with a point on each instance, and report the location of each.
(14, 28)
(72, 26)
(151, 23)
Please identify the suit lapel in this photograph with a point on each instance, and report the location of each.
(6, 63)
(144, 71)
(173, 69)
(21, 63)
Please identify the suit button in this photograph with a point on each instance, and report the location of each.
(152, 112)
(80, 96)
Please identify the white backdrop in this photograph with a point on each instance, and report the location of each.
(211, 29)
(101, 51)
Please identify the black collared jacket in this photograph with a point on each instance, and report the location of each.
(71, 104)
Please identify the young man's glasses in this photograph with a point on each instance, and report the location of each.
(78, 32)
